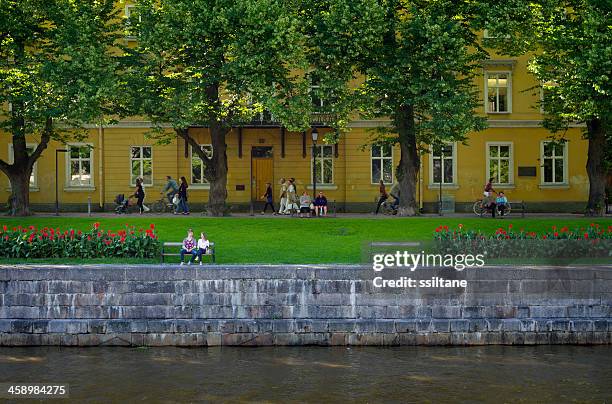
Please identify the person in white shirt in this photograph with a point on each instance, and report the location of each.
(203, 245)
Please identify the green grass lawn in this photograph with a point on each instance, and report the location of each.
(295, 241)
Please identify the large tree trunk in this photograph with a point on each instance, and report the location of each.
(596, 167)
(19, 202)
(216, 171)
(408, 168)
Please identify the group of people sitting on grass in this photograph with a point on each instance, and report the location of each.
(195, 248)
(290, 203)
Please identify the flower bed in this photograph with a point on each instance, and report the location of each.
(559, 242)
(46, 242)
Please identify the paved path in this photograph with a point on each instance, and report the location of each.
(338, 216)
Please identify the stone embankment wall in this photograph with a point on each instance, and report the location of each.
(300, 305)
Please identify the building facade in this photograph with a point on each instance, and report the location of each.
(515, 150)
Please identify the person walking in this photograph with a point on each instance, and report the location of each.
(383, 196)
(292, 199)
(268, 196)
(182, 193)
(139, 194)
(283, 196)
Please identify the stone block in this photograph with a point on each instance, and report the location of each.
(510, 325)
(446, 312)
(385, 326)
(161, 326)
(22, 326)
(581, 325)
(438, 325)
(473, 312)
(547, 311)
(478, 325)
(459, 325)
(96, 326)
(403, 326)
(341, 326)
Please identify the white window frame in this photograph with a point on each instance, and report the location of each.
(141, 159)
(11, 160)
(565, 166)
(510, 165)
(320, 174)
(68, 184)
(381, 158)
(203, 185)
(509, 90)
(453, 184)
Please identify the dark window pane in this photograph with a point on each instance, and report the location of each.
(548, 172)
(558, 170)
(436, 170)
(376, 151)
(376, 170)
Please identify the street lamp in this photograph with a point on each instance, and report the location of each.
(57, 152)
(315, 136)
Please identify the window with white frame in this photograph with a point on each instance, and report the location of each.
(324, 163)
(141, 163)
(30, 147)
(498, 89)
(382, 163)
(554, 163)
(198, 166)
(79, 168)
(500, 164)
(443, 165)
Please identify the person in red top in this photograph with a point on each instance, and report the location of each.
(489, 188)
(383, 196)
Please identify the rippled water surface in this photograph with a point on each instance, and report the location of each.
(407, 374)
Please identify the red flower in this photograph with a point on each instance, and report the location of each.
(556, 234)
(544, 237)
(510, 226)
(586, 235)
(88, 238)
(554, 227)
(152, 226)
(96, 225)
(5, 228)
(460, 226)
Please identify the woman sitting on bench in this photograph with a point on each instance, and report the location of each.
(203, 246)
(189, 247)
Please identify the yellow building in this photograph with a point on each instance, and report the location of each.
(514, 150)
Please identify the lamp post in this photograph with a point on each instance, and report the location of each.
(315, 136)
(57, 152)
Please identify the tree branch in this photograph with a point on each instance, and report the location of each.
(184, 133)
(44, 142)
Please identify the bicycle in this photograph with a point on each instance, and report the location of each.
(162, 205)
(480, 209)
(386, 207)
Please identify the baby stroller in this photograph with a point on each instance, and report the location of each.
(122, 204)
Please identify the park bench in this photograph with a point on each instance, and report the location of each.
(518, 206)
(169, 249)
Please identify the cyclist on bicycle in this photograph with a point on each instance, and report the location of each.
(172, 187)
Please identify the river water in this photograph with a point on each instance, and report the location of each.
(493, 374)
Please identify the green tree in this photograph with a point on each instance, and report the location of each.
(571, 56)
(574, 62)
(216, 64)
(57, 71)
(422, 78)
